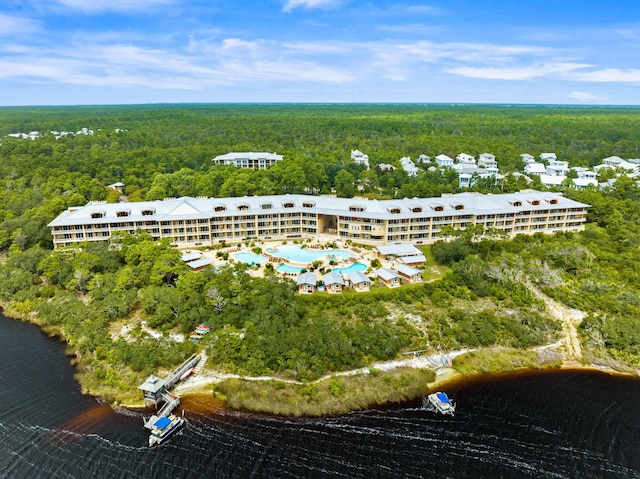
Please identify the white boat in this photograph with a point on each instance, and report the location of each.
(441, 402)
(163, 428)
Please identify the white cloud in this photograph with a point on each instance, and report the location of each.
(612, 75)
(96, 6)
(527, 72)
(10, 26)
(293, 4)
(585, 97)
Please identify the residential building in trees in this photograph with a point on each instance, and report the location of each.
(250, 160)
(191, 222)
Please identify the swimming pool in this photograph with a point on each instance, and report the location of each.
(287, 268)
(250, 258)
(305, 255)
(354, 267)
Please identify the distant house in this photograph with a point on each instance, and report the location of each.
(358, 281)
(117, 186)
(558, 167)
(464, 180)
(249, 160)
(548, 157)
(200, 264)
(527, 158)
(466, 159)
(408, 166)
(386, 167)
(333, 282)
(535, 169)
(552, 180)
(444, 160)
(306, 283)
(409, 273)
(388, 277)
(487, 160)
(396, 250)
(360, 158)
(423, 159)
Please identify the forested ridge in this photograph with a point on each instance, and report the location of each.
(89, 293)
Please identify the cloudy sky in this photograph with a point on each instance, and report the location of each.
(67, 52)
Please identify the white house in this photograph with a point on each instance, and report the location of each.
(466, 159)
(333, 282)
(408, 166)
(386, 167)
(444, 160)
(527, 158)
(388, 277)
(358, 281)
(487, 160)
(558, 167)
(360, 158)
(535, 169)
(464, 180)
(552, 180)
(306, 283)
(548, 157)
(409, 273)
(249, 160)
(423, 159)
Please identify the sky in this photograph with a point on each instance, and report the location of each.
(94, 52)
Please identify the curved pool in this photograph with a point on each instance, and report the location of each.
(354, 267)
(287, 268)
(250, 258)
(305, 255)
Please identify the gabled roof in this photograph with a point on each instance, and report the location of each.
(386, 274)
(306, 278)
(200, 263)
(413, 259)
(333, 278)
(358, 277)
(407, 270)
(402, 249)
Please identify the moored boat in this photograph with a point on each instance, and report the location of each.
(441, 402)
(164, 427)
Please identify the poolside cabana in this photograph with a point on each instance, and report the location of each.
(409, 273)
(388, 277)
(306, 283)
(358, 281)
(333, 282)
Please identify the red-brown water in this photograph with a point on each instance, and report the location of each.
(558, 424)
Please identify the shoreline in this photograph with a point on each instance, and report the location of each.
(203, 383)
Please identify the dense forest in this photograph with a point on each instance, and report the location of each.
(483, 297)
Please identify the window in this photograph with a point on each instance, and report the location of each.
(243, 207)
(219, 208)
(458, 207)
(288, 204)
(394, 211)
(97, 214)
(266, 206)
(516, 203)
(356, 208)
(150, 212)
(416, 209)
(122, 213)
(308, 204)
(553, 201)
(438, 208)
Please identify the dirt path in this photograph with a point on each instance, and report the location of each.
(570, 319)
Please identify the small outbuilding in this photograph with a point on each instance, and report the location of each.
(358, 281)
(409, 273)
(333, 282)
(388, 277)
(306, 283)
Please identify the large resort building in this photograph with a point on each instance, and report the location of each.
(192, 222)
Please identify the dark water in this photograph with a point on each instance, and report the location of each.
(550, 425)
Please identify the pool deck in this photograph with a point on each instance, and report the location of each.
(361, 255)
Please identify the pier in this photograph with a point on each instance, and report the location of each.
(157, 391)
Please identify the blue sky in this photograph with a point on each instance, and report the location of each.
(68, 52)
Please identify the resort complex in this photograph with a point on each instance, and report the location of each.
(192, 222)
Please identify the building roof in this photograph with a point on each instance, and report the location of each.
(152, 384)
(407, 270)
(413, 259)
(386, 274)
(186, 257)
(333, 278)
(249, 155)
(188, 208)
(306, 278)
(402, 249)
(358, 277)
(200, 263)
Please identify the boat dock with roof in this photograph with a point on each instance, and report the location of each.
(157, 392)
